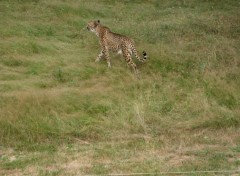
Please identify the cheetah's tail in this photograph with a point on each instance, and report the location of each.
(141, 59)
(145, 56)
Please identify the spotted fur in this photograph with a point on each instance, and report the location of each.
(114, 42)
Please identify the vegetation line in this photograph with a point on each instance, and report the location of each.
(168, 173)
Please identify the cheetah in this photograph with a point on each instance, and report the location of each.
(114, 42)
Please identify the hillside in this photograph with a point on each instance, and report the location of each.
(63, 114)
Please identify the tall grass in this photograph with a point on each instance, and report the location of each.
(182, 111)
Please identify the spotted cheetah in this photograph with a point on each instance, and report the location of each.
(114, 42)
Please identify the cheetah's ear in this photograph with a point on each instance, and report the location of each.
(98, 21)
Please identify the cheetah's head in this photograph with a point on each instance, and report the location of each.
(92, 25)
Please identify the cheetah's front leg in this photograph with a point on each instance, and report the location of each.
(99, 56)
(106, 55)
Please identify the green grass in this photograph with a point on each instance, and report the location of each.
(63, 114)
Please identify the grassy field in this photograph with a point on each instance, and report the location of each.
(63, 114)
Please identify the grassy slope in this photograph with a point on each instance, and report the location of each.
(61, 113)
